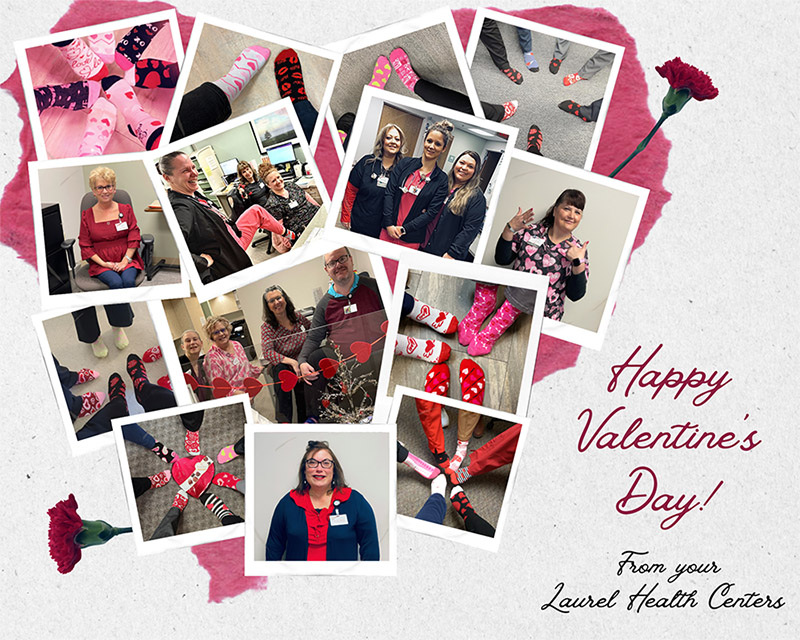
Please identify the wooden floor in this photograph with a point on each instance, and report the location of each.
(503, 366)
(63, 130)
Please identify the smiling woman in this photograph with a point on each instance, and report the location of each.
(322, 518)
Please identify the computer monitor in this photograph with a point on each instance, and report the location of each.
(229, 168)
(281, 154)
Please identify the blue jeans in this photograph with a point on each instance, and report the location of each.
(434, 509)
(525, 39)
(122, 280)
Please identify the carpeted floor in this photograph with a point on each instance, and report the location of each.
(431, 54)
(222, 426)
(566, 138)
(485, 492)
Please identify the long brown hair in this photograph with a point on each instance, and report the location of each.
(459, 202)
(269, 316)
(338, 481)
(377, 150)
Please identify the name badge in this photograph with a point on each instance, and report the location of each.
(121, 226)
(350, 308)
(261, 184)
(383, 181)
(534, 241)
(292, 204)
(414, 190)
(338, 519)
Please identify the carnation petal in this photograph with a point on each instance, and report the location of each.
(682, 75)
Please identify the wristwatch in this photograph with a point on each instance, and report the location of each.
(577, 262)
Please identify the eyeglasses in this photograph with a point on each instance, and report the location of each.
(274, 298)
(340, 260)
(312, 463)
(104, 187)
(219, 332)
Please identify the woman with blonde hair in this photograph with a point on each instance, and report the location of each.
(461, 218)
(366, 187)
(226, 358)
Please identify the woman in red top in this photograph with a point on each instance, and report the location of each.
(109, 237)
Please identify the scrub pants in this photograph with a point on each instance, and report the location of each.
(598, 61)
(87, 327)
(444, 97)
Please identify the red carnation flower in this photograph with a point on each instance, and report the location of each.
(681, 75)
(65, 523)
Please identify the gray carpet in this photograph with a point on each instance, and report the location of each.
(222, 426)
(431, 55)
(566, 137)
(502, 367)
(485, 492)
(74, 355)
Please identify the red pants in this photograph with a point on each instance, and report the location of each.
(430, 415)
(497, 452)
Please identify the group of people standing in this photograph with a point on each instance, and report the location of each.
(410, 201)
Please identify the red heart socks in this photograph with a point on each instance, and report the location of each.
(438, 320)
(136, 371)
(91, 403)
(140, 123)
(482, 306)
(74, 96)
(82, 60)
(483, 342)
(223, 479)
(433, 351)
(289, 76)
(160, 479)
(245, 67)
(155, 74)
(473, 382)
(192, 443)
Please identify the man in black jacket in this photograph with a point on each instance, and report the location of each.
(211, 240)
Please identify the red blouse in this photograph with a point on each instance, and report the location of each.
(103, 239)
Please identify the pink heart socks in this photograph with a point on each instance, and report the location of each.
(402, 65)
(433, 351)
(483, 342)
(140, 123)
(82, 60)
(426, 470)
(381, 72)
(482, 306)
(441, 321)
(103, 45)
(245, 67)
(192, 443)
(100, 125)
(74, 96)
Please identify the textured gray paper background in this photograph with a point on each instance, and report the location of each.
(715, 283)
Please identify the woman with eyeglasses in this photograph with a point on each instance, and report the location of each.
(226, 358)
(283, 335)
(322, 518)
(109, 237)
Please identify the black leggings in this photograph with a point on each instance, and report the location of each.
(444, 97)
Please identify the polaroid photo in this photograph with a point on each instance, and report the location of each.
(104, 89)
(465, 332)
(561, 82)
(573, 227)
(101, 234)
(244, 199)
(104, 363)
(443, 171)
(273, 326)
(462, 495)
(232, 70)
(322, 500)
(184, 474)
(420, 58)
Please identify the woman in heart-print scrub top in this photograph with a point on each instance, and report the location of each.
(548, 248)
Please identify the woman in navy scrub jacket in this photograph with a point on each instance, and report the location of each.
(461, 219)
(416, 191)
(362, 209)
(322, 518)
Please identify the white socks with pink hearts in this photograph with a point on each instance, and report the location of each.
(99, 127)
(460, 454)
(247, 65)
(433, 351)
(140, 123)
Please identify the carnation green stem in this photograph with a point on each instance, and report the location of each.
(642, 144)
